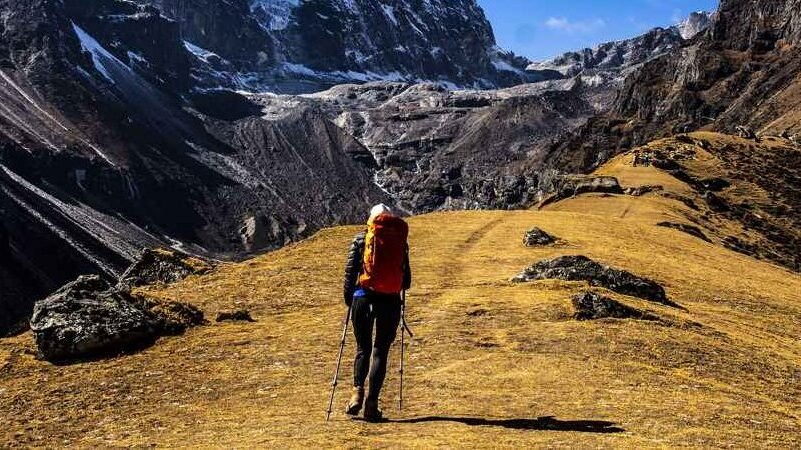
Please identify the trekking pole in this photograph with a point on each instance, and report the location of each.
(403, 333)
(339, 361)
(404, 329)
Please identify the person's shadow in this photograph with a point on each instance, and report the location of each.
(548, 423)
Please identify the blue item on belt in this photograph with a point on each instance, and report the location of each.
(360, 293)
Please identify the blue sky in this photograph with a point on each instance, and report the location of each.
(539, 29)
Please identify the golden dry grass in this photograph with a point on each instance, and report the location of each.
(725, 372)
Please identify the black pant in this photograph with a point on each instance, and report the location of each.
(384, 312)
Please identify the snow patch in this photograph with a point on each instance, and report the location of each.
(89, 44)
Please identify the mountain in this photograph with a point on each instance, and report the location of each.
(743, 74)
(303, 46)
(104, 151)
(517, 365)
(116, 136)
(425, 138)
(613, 61)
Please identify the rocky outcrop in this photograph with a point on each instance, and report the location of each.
(573, 186)
(684, 228)
(593, 306)
(90, 318)
(536, 237)
(639, 191)
(162, 266)
(581, 268)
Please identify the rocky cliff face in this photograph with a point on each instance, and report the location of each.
(102, 153)
(436, 149)
(743, 74)
(295, 46)
(613, 61)
(744, 71)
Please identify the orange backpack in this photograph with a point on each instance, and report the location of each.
(384, 254)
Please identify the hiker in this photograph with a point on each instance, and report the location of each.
(636, 158)
(377, 271)
(646, 159)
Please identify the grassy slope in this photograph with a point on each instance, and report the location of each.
(725, 372)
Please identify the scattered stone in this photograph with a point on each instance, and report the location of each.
(162, 266)
(684, 228)
(91, 318)
(745, 132)
(536, 237)
(639, 191)
(593, 306)
(240, 315)
(581, 268)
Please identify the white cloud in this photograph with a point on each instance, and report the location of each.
(571, 27)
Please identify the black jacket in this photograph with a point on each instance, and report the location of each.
(353, 268)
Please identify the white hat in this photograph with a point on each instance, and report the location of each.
(380, 209)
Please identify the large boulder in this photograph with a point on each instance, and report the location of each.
(162, 266)
(581, 268)
(89, 318)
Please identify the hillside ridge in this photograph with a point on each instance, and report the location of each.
(492, 361)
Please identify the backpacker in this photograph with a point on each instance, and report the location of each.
(384, 254)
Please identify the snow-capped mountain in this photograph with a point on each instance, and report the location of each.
(301, 45)
(613, 60)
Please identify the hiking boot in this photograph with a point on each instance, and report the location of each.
(355, 402)
(371, 411)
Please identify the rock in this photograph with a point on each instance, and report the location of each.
(578, 185)
(581, 268)
(537, 237)
(684, 228)
(714, 184)
(687, 201)
(592, 306)
(162, 266)
(715, 202)
(608, 185)
(639, 191)
(87, 318)
(171, 317)
(745, 132)
(240, 315)
(90, 318)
